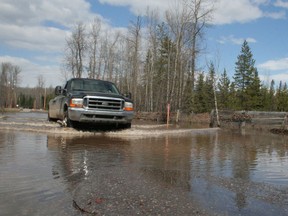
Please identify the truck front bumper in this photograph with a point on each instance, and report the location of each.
(97, 116)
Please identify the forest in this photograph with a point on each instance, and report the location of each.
(156, 59)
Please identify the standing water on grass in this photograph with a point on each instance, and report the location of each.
(146, 170)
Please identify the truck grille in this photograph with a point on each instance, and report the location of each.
(105, 103)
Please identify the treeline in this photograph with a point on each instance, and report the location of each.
(243, 92)
(34, 98)
(28, 98)
(9, 80)
(13, 96)
(156, 60)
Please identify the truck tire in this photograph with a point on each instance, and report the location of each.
(67, 120)
(128, 125)
(125, 126)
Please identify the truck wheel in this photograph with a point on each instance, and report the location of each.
(67, 120)
(125, 126)
(128, 126)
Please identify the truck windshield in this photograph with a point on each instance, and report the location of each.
(93, 86)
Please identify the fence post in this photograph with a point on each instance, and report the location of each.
(177, 116)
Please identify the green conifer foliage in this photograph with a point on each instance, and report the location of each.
(247, 82)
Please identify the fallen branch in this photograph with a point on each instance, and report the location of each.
(76, 206)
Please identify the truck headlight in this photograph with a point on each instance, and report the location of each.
(128, 106)
(76, 102)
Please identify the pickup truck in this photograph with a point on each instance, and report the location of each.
(90, 101)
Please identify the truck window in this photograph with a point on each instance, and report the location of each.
(94, 86)
(77, 85)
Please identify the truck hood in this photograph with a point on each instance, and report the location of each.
(81, 94)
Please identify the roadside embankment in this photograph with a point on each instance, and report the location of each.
(175, 117)
(249, 119)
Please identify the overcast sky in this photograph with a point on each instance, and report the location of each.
(32, 33)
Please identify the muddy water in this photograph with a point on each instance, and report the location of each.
(146, 170)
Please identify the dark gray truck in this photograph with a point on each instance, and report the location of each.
(90, 101)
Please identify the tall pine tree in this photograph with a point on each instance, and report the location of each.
(209, 86)
(247, 82)
(223, 94)
(200, 105)
(272, 100)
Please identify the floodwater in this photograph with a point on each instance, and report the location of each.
(146, 170)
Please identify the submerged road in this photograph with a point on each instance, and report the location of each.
(147, 170)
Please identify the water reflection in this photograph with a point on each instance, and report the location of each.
(79, 156)
(232, 162)
(226, 172)
(25, 176)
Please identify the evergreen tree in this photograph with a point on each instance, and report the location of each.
(233, 102)
(247, 82)
(200, 105)
(282, 97)
(164, 72)
(271, 99)
(264, 100)
(285, 97)
(223, 94)
(209, 88)
(188, 102)
(254, 92)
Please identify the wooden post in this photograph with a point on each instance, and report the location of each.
(44, 105)
(177, 116)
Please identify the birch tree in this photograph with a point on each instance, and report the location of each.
(75, 51)
(112, 53)
(152, 21)
(134, 40)
(93, 47)
(199, 15)
(9, 80)
(177, 19)
(186, 22)
(40, 93)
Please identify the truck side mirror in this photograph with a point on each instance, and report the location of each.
(128, 95)
(58, 90)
